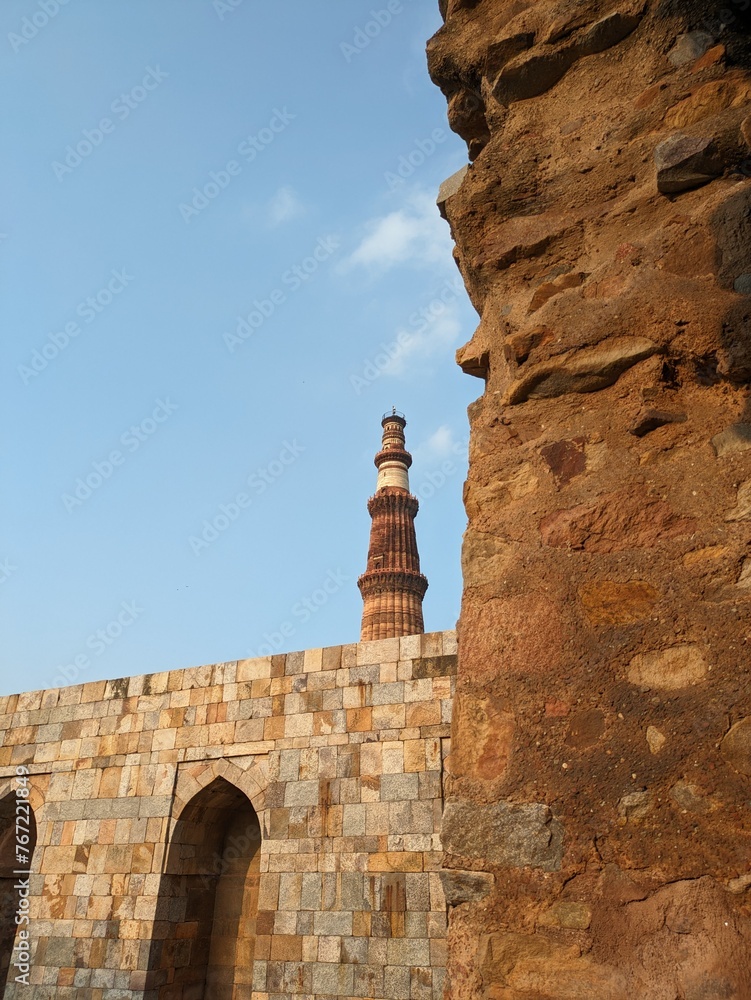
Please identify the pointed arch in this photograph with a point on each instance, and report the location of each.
(204, 931)
(191, 779)
(18, 833)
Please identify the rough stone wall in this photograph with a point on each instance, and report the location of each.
(602, 725)
(339, 754)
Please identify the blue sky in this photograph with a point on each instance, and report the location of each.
(221, 263)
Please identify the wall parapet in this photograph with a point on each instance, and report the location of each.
(340, 753)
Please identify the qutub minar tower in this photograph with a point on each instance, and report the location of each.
(392, 586)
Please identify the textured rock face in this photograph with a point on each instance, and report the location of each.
(601, 736)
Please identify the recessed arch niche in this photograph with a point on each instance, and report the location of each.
(204, 931)
(12, 806)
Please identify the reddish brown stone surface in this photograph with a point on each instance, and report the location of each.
(601, 739)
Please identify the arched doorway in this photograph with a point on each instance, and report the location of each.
(11, 900)
(204, 932)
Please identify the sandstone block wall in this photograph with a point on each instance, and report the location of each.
(145, 793)
(602, 725)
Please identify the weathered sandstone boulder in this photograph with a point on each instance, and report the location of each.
(600, 747)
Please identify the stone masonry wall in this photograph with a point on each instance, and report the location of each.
(602, 723)
(339, 751)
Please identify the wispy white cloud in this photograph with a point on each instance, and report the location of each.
(414, 348)
(414, 234)
(284, 206)
(443, 443)
(440, 442)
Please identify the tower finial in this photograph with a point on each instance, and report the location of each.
(392, 586)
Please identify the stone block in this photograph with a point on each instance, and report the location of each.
(397, 982)
(465, 886)
(353, 820)
(393, 757)
(389, 720)
(511, 835)
(368, 981)
(669, 669)
(311, 891)
(290, 888)
(387, 694)
(332, 980)
(312, 660)
(395, 861)
(371, 759)
(442, 665)
(333, 922)
(378, 651)
(396, 787)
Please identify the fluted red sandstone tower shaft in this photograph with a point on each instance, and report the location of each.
(392, 586)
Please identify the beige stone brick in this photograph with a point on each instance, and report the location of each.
(388, 673)
(419, 690)
(262, 687)
(163, 739)
(285, 922)
(29, 701)
(431, 644)
(196, 677)
(349, 655)
(332, 658)
(449, 643)
(298, 725)
(20, 734)
(359, 720)
(143, 856)
(109, 782)
(273, 728)
(433, 754)
(329, 948)
(105, 833)
(268, 892)
(281, 685)
(356, 696)
(176, 700)
(313, 660)
(286, 948)
(378, 651)
(389, 717)
(46, 753)
(415, 755)
(370, 788)
(376, 818)
(309, 951)
(395, 861)
(323, 680)
(404, 670)
(60, 786)
(70, 749)
(409, 647)
(94, 691)
(119, 858)
(423, 714)
(393, 757)
(371, 759)
(221, 734)
(443, 687)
